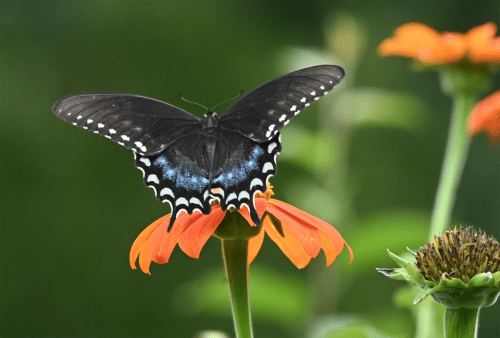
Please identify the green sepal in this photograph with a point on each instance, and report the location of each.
(481, 291)
(410, 273)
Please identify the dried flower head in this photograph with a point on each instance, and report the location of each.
(461, 253)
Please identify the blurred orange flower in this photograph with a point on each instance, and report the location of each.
(423, 43)
(486, 117)
(301, 239)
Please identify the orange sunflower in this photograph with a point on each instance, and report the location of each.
(425, 44)
(298, 234)
(486, 117)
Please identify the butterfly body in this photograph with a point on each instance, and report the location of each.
(189, 161)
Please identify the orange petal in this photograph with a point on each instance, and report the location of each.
(410, 39)
(260, 206)
(486, 117)
(141, 243)
(288, 243)
(482, 47)
(306, 234)
(254, 245)
(331, 240)
(453, 47)
(162, 243)
(194, 238)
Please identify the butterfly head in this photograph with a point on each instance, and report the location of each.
(210, 119)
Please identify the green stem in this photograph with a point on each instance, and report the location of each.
(455, 157)
(235, 252)
(461, 323)
(457, 147)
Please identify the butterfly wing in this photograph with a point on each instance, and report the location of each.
(179, 175)
(262, 113)
(243, 169)
(144, 125)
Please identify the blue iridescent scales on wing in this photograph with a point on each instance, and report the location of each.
(190, 162)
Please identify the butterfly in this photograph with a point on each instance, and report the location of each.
(189, 161)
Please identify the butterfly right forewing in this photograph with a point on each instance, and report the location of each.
(262, 113)
(144, 125)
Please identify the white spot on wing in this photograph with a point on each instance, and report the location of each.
(313, 93)
(297, 112)
(316, 98)
(139, 144)
(308, 104)
(205, 195)
(322, 87)
(181, 200)
(271, 127)
(293, 108)
(270, 149)
(283, 117)
(231, 196)
(146, 161)
(143, 148)
(243, 195)
(303, 99)
(125, 137)
(79, 117)
(166, 191)
(268, 133)
(153, 178)
(100, 125)
(256, 181)
(112, 131)
(90, 121)
(268, 166)
(194, 200)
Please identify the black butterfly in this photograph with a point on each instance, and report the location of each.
(184, 158)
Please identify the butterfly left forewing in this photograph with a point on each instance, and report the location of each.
(262, 113)
(141, 124)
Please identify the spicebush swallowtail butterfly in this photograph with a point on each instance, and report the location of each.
(190, 161)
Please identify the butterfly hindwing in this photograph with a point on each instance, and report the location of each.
(262, 113)
(245, 171)
(144, 125)
(179, 175)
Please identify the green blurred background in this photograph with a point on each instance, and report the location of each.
(366, 159)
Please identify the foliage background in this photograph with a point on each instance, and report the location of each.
(366, 159)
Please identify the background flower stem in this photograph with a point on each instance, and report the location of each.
(461, 323)
(235, 252)
(457, 147)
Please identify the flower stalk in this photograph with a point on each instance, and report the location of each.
(235, 253)
(461, 323)
(457, 148)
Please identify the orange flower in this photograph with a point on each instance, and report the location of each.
(486, 117)
(423, 43)
(302, 237)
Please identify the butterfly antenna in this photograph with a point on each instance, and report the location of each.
(192, 102)
(234, 98)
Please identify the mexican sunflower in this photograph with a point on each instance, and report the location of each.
(425, 44)
(298, 234)
(486, 117)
